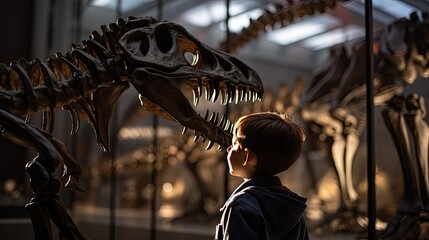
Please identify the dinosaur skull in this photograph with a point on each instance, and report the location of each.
(164, 58)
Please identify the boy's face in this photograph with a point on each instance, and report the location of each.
(236, 157)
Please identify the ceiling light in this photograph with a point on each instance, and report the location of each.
(126, 5)
(207, 14)
(396, 8)
(302, 30)
(101, 3)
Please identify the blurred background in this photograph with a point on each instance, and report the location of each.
(160, 180)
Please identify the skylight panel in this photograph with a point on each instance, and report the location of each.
(334, 37)
(207, 14)
(302, 30)
(396, 8)
(126, 5)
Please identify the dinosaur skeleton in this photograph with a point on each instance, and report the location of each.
(157, 57)
(400, 53)
(283, 14)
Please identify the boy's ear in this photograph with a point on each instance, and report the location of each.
(250, 158)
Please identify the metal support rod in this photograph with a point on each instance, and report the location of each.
(228, 39)
(113, 181)
(113, 176)
(51, 25)
(74, 136)
(78, 20)
(370, 120)
(154, 148)
(153, 227)
(227, 49)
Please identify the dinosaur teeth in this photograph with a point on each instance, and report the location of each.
(231, 93)
(238, 95)
(216, 118)
(196, 137)
(253, 95)
(216, 90)
(227, 125)
(222, 121)
(248, 95)
(196, 96)
(185, 129)
(200, 87)
(259, 96)
(223, 97)
(209, 145)
(213, 117)
(212, 91)
(207, 95)
(243, 94)
(206, 115)
(215, 95)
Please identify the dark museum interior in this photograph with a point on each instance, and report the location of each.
(123, 171)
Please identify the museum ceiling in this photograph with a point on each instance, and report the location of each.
(307, 37)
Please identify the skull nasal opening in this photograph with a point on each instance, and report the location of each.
(241, 66)
(224, 64)
(163, 38)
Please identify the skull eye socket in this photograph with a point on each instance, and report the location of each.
(192, 58)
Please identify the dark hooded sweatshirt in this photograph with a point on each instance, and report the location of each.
(263, 209)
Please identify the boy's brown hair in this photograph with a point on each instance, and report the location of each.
(275, 138)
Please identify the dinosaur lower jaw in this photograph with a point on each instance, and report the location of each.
(153, 108)
(214, 129)
(162, 96)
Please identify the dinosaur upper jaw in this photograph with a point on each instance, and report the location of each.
(164, 58)
(161, 94)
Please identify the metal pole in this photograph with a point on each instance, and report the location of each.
(153, 226)
(370, 120)
(113, 176)
(113, 180)
(226, 175)
(74, 140)
(228, 39)
(153, 179)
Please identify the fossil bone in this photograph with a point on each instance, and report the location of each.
(284, 14)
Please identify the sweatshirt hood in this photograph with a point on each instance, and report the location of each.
(285, 207)
(282, 209)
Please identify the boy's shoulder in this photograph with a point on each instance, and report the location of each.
(272, 195)
(244, 197)
(257, 193)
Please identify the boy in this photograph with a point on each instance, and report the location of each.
(263, 145)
